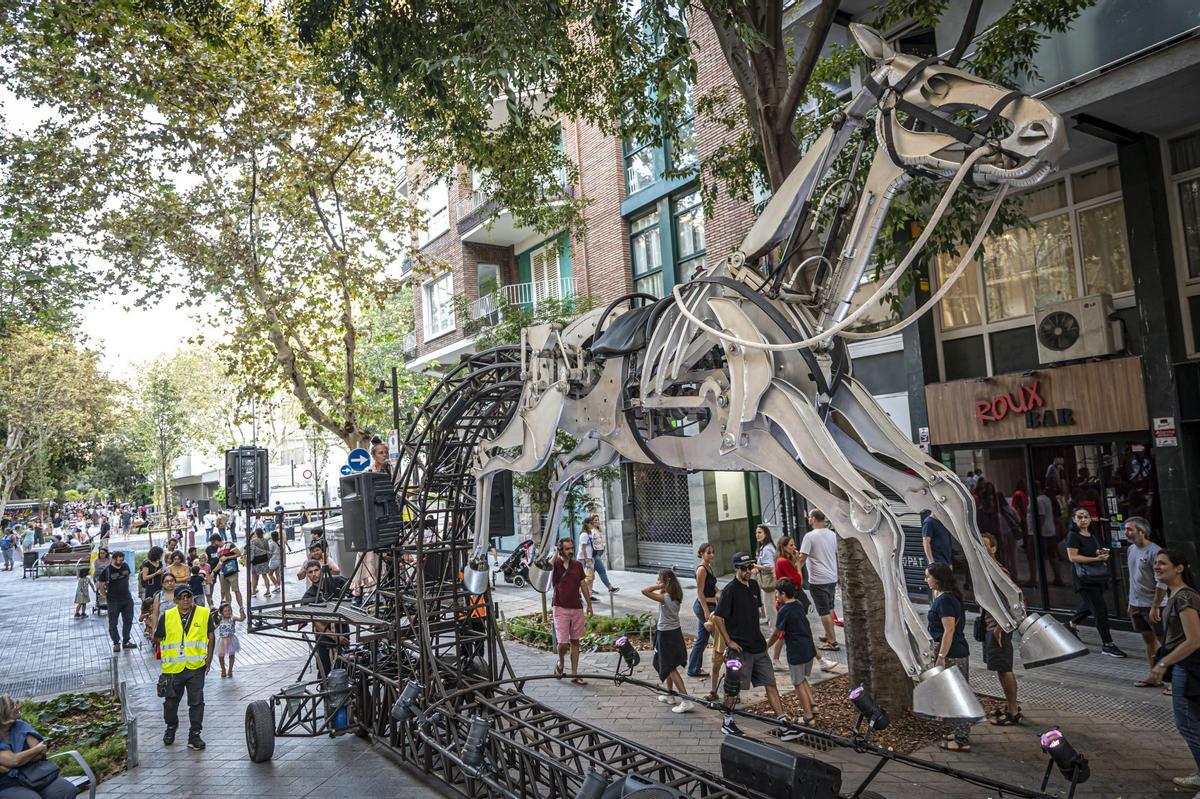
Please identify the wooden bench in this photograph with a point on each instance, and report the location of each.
(74, 557)
(85, 782)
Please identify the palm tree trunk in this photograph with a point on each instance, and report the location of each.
(870, 659)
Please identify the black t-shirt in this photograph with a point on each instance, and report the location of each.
(117, 581)
(944, 605)
(210, 552)
(154, 584)
(329, 587)
(1088, 545)
(160, 631)
(738, 606)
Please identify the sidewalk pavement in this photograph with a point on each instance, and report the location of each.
(1126, 733)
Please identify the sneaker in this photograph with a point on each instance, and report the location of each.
(791, 734)
(130, 645)
(614, 589)
(828, 665)
(666, 699)
(730, 727)
(1190, 781)
(1113, 651)
(116, 647)
(169, 736)
(196, 742)
(1073, 630)
(682, 707)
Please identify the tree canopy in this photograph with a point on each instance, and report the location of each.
(223, 165)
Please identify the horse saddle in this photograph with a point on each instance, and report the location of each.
(627, 333)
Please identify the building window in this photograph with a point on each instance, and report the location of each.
(433, 203)
(640, 168)
(645, 239)
(1075, 244)
(438, 300)
(689, 235)
(667, 243)
(646, 164)
(1185, 194)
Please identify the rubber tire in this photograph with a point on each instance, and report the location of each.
(519, 581)
(260, 731)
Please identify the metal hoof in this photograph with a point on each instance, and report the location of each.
(1044, 640)
(540, 572)
(943, 693)
(476, 576)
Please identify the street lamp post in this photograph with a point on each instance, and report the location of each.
(383, 387)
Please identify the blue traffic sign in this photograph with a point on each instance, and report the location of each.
(359, 459)
(346, 470)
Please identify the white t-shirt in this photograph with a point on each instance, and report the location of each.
(585, 545)
(820, 545)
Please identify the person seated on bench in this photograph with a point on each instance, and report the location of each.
(21, 745)
(58, 545)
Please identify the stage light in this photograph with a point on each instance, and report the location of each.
(476, 744)
(1073, 765)
(406, 705)
(875, 716)
(629, 656)
(593, 786)
(733, 678)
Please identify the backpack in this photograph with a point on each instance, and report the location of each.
(6, 542)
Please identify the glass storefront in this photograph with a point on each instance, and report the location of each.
(1113, 478)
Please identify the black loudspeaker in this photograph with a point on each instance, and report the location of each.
(500, 520)
(778, 773)
(635, 786)
(370, 512)
(247, 477)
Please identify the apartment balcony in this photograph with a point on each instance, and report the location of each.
(481, 220)
(489, 309)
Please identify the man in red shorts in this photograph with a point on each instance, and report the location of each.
(571, 591)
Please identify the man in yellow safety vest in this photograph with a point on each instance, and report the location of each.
(185, 638)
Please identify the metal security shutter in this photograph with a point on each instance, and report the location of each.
(662, 513)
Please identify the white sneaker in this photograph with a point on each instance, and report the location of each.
(828, 665)
(682, 707)
(1190, 781)
(666, 700)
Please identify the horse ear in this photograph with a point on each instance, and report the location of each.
(871, 42)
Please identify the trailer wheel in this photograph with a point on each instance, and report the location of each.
(519, 581)
(260, 731)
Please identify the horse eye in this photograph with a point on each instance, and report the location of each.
(936, 87)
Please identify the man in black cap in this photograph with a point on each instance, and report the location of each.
(186, 638)
(736, 618)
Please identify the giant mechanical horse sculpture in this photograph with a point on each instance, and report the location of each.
(745, 366)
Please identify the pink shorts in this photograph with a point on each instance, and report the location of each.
(568, 624)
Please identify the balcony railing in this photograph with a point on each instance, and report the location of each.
(410, 343)
(487, 309)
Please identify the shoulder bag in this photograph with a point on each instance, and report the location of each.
(36, 776)
(1091, 574)
(766, 579)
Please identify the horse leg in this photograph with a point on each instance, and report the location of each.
(934, 487)
(589, 454)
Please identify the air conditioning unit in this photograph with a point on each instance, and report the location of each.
(1072, 329)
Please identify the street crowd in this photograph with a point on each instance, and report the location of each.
(763, 613)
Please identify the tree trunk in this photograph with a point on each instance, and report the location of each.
(869, 658)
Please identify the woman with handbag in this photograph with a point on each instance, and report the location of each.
(1177, 661)
(764, 571)
(1089, 578)
(25, 773)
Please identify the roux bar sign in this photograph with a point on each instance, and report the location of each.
(1027, 400)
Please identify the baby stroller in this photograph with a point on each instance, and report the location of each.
(515, 568)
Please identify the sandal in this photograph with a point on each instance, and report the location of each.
(1147, 684)
(558, 672)
(829, 646)
(954, 746)
(579, 681)
(1004, 719)
(711, 697)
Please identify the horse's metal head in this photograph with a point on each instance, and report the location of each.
(1028, 137)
